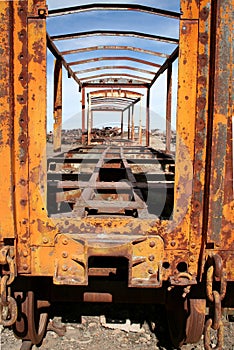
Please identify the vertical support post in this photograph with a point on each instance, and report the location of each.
(147, 123)
(133, 125)
(168, 108)
(140, 125)
(89, 117)
(83, 115)
(122, 116)
(129, 116)
(57, 105)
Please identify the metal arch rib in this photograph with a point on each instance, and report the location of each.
(114, 58)
(114, 7)
(84, 71)
(139, 35)
(130, 76)
(115, 47)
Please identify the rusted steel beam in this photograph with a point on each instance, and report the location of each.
(115, 93)
(94, 69)
(133, 125)
(111, 99)
(115, 85)
(89, 121)
(57, 54)
(140, 125)
(137, 78)
(7, 122)
(115, 47)
(129, 116)
(57, 106)
(121, 124)
(147, 118)
(220, 215)
(114, 58)
(114, 7)
(168, 108)
(83, 115)
(107, 109)
(114, 185)
(165, 65)
(117, 33)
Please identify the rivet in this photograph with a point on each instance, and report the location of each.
(192, 259)
(64, 255)
(151, 258)
(25, 267)
(195, 225)
(45, 240)
(193, 245)
(25, 253)
(151, 271)
(152, 244)
(24, 222)
(64, 267)
(173, 243)
(65, 241)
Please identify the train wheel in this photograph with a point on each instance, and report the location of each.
(186, 319)
(33, 318)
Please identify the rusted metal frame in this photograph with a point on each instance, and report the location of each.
(87, 192)
(147, 118)
(114, 58)
(116, 34)
(113, 7)
(220, 113)
(129, 116)
(197, 226)
(186, 116)
(57, 106)
(140, 125)
(42, 228)
(115, 93)
(22, 137)
(132, 124)
(83, 115)
(112, 98)
(106, 109)
(113, 185)
(122, 124)
(6, 122)
(57, 54)
(114, 47)
(110, 75)
(89, 116)
(136, 85)
(94, 69)
(142, 207)
(165, 65)
(168, 108)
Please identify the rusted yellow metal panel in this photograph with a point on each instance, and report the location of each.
(189, 9)
(42, 230)
(57, 105)
(202, 105)
(221, 115)
(21, 135)
(7, 229)
(186, 114)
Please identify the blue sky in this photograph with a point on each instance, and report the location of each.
(111, 20)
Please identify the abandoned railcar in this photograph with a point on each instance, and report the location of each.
(111, 209)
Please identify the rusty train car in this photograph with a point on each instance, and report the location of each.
(76, 225)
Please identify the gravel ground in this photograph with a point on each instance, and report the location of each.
(87, 328)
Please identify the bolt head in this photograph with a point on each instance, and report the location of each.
(152, 244)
